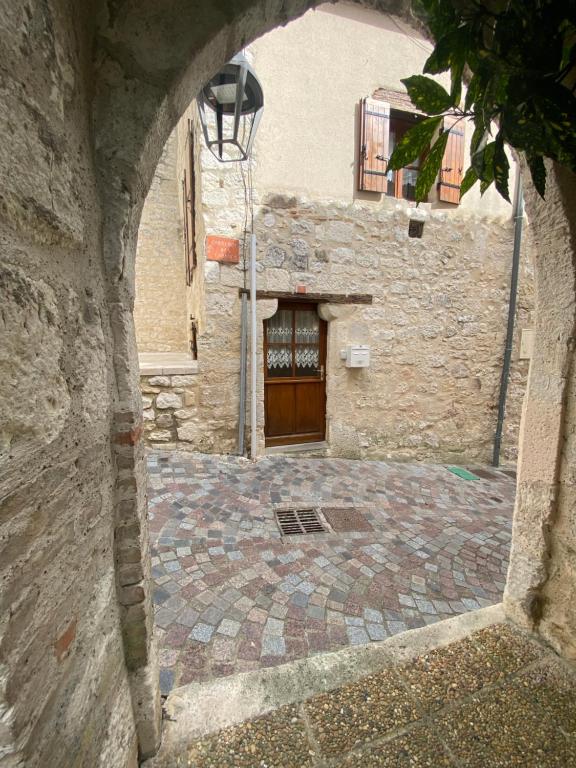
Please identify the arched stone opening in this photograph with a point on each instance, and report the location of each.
(61, 483)
(539, 552)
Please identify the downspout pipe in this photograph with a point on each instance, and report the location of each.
(253, 342)
(243, 361)
(518, 219)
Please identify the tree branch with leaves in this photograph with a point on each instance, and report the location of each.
(518, 58)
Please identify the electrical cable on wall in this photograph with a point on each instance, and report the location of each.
(248, 185)
(427, 49)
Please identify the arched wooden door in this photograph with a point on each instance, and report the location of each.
(295, 375)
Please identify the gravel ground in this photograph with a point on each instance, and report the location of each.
(493, 700)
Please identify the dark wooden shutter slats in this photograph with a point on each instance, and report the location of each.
(185, 218)
(189, 184)
(374, 145)
(452, 162)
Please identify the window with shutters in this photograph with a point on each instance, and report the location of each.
(188, 206)
(383, 125)
(402, 183)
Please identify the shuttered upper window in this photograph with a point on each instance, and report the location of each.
(382, 128)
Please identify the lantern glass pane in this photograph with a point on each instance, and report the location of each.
(231, 147)
(225, 94)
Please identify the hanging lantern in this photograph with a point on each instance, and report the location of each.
(230, 107)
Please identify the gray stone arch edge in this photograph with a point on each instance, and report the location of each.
(146, 74)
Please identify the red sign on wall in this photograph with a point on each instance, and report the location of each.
(224, 249)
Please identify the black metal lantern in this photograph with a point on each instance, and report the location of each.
(235, 102)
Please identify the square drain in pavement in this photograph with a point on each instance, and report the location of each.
(299, 522)
(345, 520)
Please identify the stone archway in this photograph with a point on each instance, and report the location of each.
(147, 75)
(91, 98)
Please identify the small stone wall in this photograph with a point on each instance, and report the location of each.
(170, 407)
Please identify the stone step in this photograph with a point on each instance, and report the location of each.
(300, 451)
(319, 705)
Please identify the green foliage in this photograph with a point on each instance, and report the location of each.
(519, 58)
(427, 94)
(430, 167)
(414, 143)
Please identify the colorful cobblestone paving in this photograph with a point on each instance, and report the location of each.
(232, 594)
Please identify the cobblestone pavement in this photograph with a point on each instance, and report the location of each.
(493, 700)
(232, 594)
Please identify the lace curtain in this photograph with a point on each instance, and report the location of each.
(307, 357)
(307, 327)
(304, 327)
(307, 337)
(279, 358)
(280, 327)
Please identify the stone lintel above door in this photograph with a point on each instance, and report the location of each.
(318, 298)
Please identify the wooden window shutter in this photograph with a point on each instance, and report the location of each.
(374, 145)
(185, 217)
(452, 162)
(189, 208)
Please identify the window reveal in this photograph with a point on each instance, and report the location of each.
(401, 183)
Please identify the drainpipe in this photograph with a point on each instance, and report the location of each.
(518, 216)
(243, 361)
(253, 342)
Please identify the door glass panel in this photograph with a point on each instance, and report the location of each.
(307, 361)
(279, 360)
(279, 327)
(307, 327)
(307, 337)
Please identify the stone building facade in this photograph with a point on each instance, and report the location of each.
(436, 321)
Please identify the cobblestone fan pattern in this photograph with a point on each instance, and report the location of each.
(232, 595)
(492, 700)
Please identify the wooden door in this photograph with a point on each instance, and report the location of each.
(295, 375)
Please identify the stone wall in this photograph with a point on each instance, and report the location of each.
(170, 408)
(160, 265)
(436, 327)
(65, 695)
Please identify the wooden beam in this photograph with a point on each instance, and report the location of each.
(321, 298)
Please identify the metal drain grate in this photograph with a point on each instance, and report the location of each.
(346, 519)
(299, 522)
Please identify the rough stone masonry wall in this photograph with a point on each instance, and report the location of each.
(64, 685)
(436, 327)
(160, 311)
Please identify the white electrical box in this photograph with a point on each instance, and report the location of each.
(357, 356)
